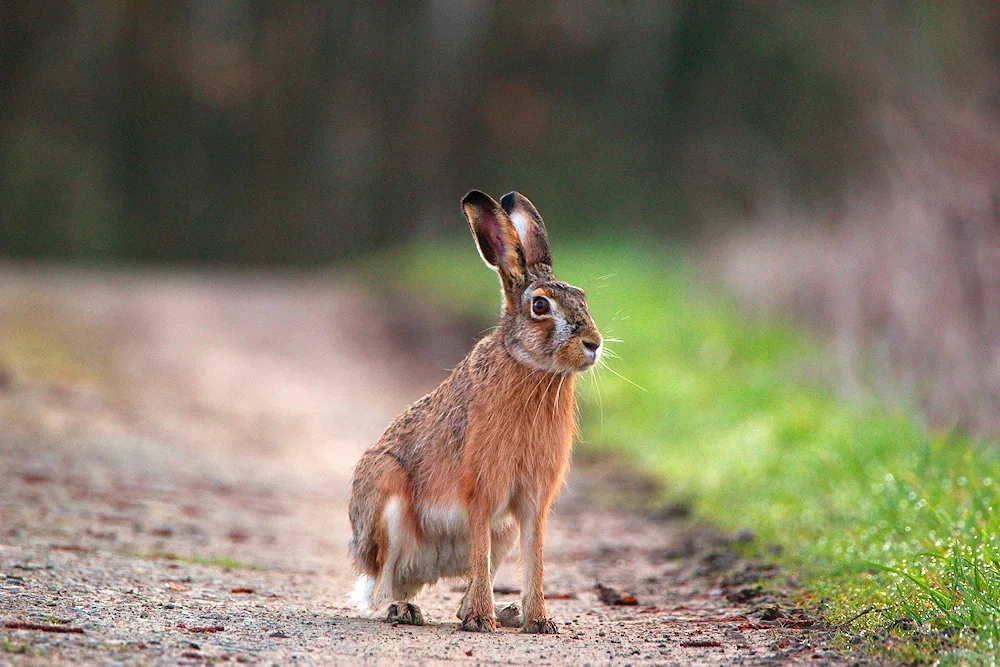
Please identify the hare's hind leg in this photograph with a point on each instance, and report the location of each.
(406, 613)
(392, 594)
(402, 610)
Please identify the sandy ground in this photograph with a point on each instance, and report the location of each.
(180, 496)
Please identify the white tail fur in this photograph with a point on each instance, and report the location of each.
(361, 596)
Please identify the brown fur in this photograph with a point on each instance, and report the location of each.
(491, 443)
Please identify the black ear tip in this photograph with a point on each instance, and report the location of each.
(475, 198)
(507, 202)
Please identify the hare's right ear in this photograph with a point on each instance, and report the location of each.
(496, 237)
(529, 227)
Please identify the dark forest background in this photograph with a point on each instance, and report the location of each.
(260, 132)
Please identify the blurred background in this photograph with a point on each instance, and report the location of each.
(231, 250)
(836, 162)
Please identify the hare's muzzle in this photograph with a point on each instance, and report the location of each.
(591, 350)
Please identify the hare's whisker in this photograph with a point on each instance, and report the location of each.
(534, 389)
(523, 382)
(541, 402)
(520, 384)
(559, 389)
(593, 281)
(528, 377)
(600, 397)
(605, 365)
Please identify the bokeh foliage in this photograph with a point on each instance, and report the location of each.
(298, 132)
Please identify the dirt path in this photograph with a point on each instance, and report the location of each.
(180, 496)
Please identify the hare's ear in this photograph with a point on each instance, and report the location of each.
(495, 236)
(529, 227)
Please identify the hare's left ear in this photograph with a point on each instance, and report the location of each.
(530, 228)
(496, 239)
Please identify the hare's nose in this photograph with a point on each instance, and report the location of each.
(592, 345)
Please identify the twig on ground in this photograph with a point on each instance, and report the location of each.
(21, 625)
(701, 643)
(858, 615)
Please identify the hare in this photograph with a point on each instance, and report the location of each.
(455, 479)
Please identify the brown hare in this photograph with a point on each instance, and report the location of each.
(462, 472)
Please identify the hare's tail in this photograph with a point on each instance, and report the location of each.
(361, 596)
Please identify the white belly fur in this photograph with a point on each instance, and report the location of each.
(412, 563)
(444, 550)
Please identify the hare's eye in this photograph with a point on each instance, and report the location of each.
(540, 306)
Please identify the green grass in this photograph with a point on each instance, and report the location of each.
(211, 561)
(870, 508)
(18, 648)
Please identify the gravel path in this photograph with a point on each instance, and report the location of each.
(179, 495)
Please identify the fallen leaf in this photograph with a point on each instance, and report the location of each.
(610, 596)
(207, 629)
(35, 478)
(560, 596)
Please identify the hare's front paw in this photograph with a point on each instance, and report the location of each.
(509, 616)
(478, 623)
(405, 613)
(542, 626)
